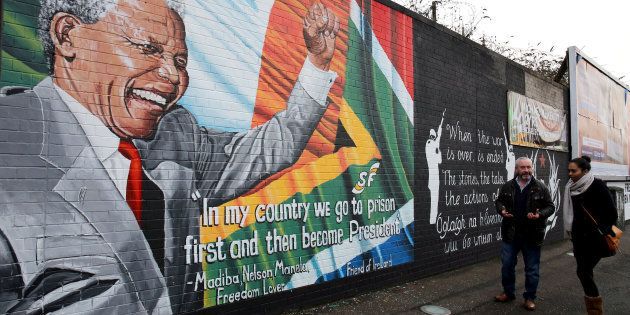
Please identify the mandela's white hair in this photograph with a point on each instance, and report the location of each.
(88, 11)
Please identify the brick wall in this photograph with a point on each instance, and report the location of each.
(470, 84)
(411, 125)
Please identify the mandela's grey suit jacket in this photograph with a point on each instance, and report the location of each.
(67, 236)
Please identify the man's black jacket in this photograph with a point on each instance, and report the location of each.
(538, 200)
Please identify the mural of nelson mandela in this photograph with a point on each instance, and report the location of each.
(107, 179)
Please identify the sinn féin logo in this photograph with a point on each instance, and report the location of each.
(362, 183)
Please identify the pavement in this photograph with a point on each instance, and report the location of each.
(471, 290)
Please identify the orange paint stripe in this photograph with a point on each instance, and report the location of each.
(283, 55)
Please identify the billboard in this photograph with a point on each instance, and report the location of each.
(599, 114)
(168, 156)
(534, 124)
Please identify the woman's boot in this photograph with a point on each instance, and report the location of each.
(594, 305)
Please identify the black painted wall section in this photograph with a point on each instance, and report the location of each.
(469, 84)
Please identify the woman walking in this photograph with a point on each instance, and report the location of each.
(586, 197)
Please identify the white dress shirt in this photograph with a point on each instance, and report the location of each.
(103, 140)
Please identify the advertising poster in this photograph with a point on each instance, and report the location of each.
(601, 116)
(534, 124)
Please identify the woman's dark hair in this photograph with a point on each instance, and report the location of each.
(583, 163)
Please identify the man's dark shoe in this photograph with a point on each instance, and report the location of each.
(529, 305)
(503, 298)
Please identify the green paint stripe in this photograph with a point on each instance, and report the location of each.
(382, 117)
(18, 73)
(26, 7)
(20, 41)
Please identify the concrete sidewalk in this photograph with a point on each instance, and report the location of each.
(471, 290)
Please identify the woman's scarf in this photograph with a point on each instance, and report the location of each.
(574, 189)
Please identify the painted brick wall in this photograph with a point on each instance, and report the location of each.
(469, 84)
(399, 114)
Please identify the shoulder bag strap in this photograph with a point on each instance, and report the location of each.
(593, 219)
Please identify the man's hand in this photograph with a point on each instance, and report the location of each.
(533, 216)
(506, 214)
(321, 27)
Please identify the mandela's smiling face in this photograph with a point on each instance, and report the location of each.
(128, 68)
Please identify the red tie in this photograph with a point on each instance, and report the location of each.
(134, 181)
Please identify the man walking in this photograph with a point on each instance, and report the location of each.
(524, 203)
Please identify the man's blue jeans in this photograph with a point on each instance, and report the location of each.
(531, 256)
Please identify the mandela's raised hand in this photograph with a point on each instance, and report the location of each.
(321, 27)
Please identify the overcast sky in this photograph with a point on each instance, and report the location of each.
(601, 29)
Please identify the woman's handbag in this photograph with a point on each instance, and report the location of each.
(610, 239)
